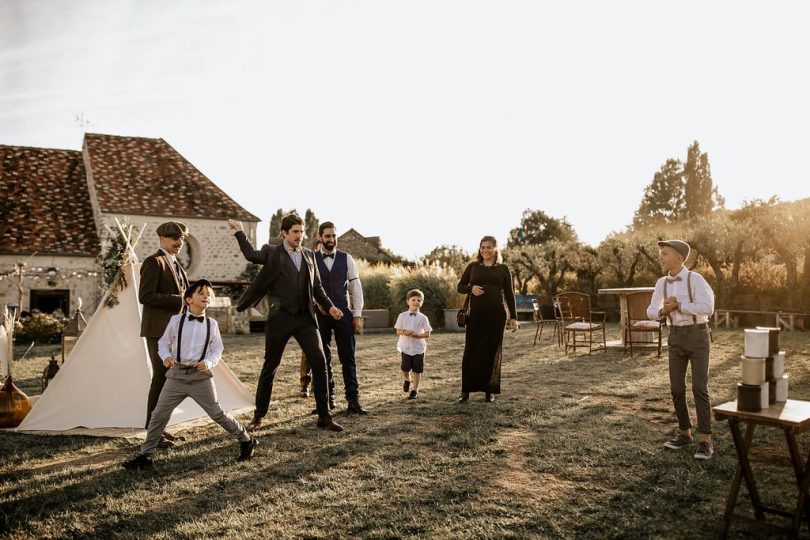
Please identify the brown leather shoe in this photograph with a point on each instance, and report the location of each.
(255, 424)
(165, 443)
(328, 423)
(172, 437)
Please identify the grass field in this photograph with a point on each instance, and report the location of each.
(571, 449)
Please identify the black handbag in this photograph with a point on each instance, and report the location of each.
(463, 313)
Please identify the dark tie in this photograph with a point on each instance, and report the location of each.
(412, 314)
(180, 279)
(193, 318)
(673, 280)
(328, 255)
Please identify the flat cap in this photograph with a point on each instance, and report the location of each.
(188, 293)
(172, 229)
(678, 245)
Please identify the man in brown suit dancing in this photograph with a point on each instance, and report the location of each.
(163, 282)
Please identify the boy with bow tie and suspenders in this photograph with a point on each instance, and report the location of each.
(687, 301)
(161, 287)
(190, 348)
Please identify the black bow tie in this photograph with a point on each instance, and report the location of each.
(193, 318)
(328, 255)
(412, 314)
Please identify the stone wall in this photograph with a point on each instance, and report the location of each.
(214, 252)
(72, 273)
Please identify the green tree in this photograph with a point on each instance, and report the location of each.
(700, 195)
(275, 223)
(663, 200)
(448, 256)
(536, 227)
(725, 240)
(311, 224)
(549, 265)
(678, 191)
(785, 230)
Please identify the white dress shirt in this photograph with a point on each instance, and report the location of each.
(295, 255)
(355, 287)
(193, 341)
(419, 323)
(701, 307)
(175, 264)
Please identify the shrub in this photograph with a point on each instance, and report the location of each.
(374, 278)
(437, 282)
(385, 287)
(40, 328)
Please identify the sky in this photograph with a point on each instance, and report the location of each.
(424, 122)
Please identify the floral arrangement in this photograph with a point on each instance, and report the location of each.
(114, 255)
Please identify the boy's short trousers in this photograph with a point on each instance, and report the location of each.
(415, 363)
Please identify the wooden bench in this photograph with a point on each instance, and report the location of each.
(730, 318)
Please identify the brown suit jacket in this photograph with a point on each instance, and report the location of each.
(161, 293)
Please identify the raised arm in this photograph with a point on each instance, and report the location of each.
(252, 255)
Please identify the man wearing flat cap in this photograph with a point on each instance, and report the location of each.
(687, 301)
(163, 281)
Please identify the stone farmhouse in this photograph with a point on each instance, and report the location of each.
(57, 205)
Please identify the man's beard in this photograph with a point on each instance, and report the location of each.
(329, 246)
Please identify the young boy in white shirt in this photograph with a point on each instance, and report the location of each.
(413, 329)
(687, 301)
(190, 348)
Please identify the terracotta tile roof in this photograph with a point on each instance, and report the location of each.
(45, 206)
(131, 173)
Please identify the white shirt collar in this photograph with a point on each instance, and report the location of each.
(681, 274)
(171, 257)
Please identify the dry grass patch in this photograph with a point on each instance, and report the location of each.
(571, 449)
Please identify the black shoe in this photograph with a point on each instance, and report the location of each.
(413, 394)
(141, 461)
(406, 385)
(332, 403)
(247, 448)
(464, 397)
(489, 398)
(354, 407)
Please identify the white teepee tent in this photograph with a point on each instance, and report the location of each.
(105, 380)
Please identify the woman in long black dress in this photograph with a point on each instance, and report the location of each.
(489, 283)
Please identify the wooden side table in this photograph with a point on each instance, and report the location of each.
(793, 417)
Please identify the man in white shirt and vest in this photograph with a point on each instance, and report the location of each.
(687, 301)
(342, 284)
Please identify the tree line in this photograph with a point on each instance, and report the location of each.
(759, 250)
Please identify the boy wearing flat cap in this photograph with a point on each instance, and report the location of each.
(687, 301)
(163, 282)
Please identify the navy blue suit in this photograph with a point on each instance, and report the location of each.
(336, 284)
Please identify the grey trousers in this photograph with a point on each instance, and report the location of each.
(690, 345)
(179, 385)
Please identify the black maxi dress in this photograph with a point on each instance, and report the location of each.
(481, 365)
